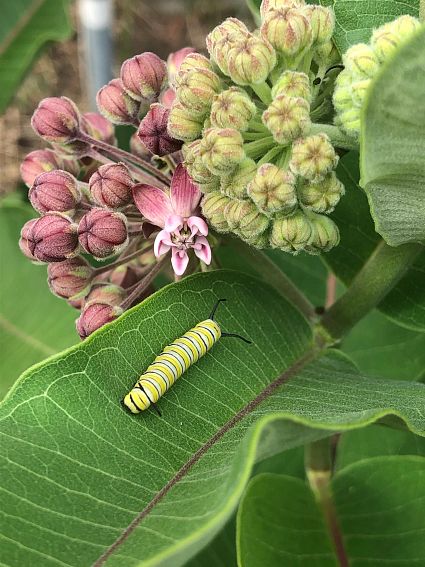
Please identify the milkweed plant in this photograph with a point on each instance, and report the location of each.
(242, 146)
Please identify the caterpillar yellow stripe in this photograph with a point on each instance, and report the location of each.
(173, 361)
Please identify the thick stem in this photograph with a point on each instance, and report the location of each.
(375, 280)
(264, 92)
(337, 137)
(318, 465)
(259, 147)
(268, 270)
(144, 283)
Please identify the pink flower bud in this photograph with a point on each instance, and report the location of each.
(53, 238)
(56, 120)
(116, 105)
(26, 236)
(103, 233)
(98, 127)
(138, 148)
(70, 279)
(94, 316)
(175, 60)
(153, 132)
(55, 191)
(107, 293)
(38, 162)
(144, 76)
(168, 97)
(110, 186)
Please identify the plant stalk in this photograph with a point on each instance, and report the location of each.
(264, 92)
(144, 283)
(337, 137)
(422, 11)
(385, 267)
(119, 262)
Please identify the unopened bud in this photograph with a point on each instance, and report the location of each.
(322, 22)
(168, 97)
(26, 239)
(269, 5)
(326, 54)
(103, 233)
(107, 293)
(53, 238)
(235, 210)
(70, 279)
(384, 42)
(287, 118)
(321, 197)
(292, 83)
(222, 150)
(361, 61)
(212, 186)
(116, 105)
(405, 26)
(223, 38)
(144, 76)
(37, 162)
(94, 316)
(342, 97)
(325, 234)
(292, 234)
(194, 163)
(182, 125)
(110, 186)
(175, 60)
(273, 190)
(56, 119)
(253, 223)
(251, 60)
(192, 62)
(359, 90)
(196, 90)
(235, 183)
(55, 190)
(213, 206)
(153, 131)
(232, 109)
(98, 127)
(288, 30)
(260, 241)
(138, 148)
(349, 121)
(313, 157)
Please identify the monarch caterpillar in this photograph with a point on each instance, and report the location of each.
(173, 361)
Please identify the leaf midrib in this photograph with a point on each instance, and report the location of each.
(22, 22)
(308, 357)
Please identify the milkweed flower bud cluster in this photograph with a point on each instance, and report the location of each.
(362, 63)
(246, 117)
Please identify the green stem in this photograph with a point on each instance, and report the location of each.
(259, 147)
(284, 158)
(422, 10)
(119, 262)
(263, 91)
(268, 270)
(270, 155)
(337, 137)
(385, 267)
(140, 287)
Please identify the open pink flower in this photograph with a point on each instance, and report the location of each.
(178, 216)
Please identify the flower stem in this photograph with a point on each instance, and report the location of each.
(144, 283)
(337, 137)
(259, 147)
(268, 270)
(263, 91)
(270, 155)
(385, 267)
(138, 174)
(119, 262)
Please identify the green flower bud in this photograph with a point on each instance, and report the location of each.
(292, 234)
(288, 30)
(196, 90)
(358, 91)
(361, 61)
(384, 42)
(213, 206)
(269, 5)
(182, 125)
(322, 22)
(192, 62)
(195, 165)
(349, 121)
(250, 61)
(222, 150)
(223, 38)
(342, 98)
(235, 210)
(253, 224)
(325, 234)
(326, 53)
(232, 109)
(287, 118)
(313, 157)
(273, 190)
(261, 241)
(235, 184)
(212, 186)
(321, 197)
(292, 83)
(405, 26)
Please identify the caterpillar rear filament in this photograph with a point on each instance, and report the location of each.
(173, 361)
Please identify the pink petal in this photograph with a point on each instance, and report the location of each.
(185, 195)
(173, 223)
(153, 203)
(162, 243)
(168, 97)
(197, 225)
(202, 249)
(179, 261)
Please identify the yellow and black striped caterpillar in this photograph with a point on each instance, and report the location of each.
(173, 361)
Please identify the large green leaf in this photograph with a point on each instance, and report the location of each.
(393, 146)
(405, 304)
(33, 323)
(379, 506)
(25, 26)
(355, 19)
(79, 473)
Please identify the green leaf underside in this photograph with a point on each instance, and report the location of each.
(221, 552)
(356, 19)
(405, 304)
(33, 323)
(26, 25)
(379, 505)
(79, 469)
(393, 146)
